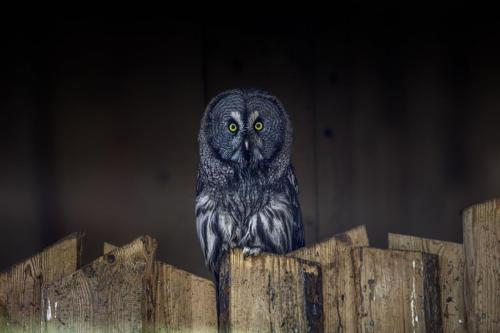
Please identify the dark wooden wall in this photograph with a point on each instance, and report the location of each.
(396, 124)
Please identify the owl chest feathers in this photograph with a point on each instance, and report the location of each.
(245, 214)
(237, 204)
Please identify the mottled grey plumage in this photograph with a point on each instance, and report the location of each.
(247, 193)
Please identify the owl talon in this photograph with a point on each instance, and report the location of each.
(251, 251)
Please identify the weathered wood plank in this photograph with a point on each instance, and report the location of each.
(183, 302)
(481, 224)
(397, 291)
(107, 247)
(356, 237)
(451, 275)
(112, 293)
(339, 293)
(269, 293)
(20, 285)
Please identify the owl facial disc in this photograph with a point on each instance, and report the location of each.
(245, 130)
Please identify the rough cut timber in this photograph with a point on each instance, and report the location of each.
(111, 294)
(269, 293)
(339, 294)
(183, 302)
(108, 247)
(20, 286)
(356, 237)
(482, 257)
(397, 291)
(451, 276)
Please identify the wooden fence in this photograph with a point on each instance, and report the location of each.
(338, 285)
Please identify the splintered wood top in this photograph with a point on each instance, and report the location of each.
(451, 275)
(270, 293)
(339, 294)
(182, 301)
(105, 295)
(20, 285)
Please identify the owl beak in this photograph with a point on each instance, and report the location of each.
(246, 144)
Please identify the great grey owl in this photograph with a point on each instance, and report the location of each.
(247, 193)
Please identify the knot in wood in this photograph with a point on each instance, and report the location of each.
(110, 258)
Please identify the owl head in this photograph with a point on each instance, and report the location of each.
(245, 130)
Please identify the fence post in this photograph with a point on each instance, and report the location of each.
(20, 285)
(397, 291)
(182, 302)
(481, 226)
(339, 294)
(111, 293)
(269, 293)
(451, 275)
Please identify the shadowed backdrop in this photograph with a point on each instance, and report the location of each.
(396, 119)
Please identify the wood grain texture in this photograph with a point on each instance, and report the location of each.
(397, 291)
(111, 294)
(108, 247)
(269, 293)
(20, 285)
(356, 236)
(339, 294)
(451, 275)
(183, 302)
(481, 224)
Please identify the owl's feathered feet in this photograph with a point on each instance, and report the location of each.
(251, 251)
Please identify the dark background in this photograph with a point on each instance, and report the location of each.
(396, 114)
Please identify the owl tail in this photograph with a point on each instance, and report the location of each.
(217, 297)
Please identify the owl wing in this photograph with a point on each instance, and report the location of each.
(206, 226)
(292, 190)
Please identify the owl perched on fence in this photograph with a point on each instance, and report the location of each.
(247, 193)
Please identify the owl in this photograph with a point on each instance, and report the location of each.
(247, 193)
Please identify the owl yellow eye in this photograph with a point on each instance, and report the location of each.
(233, 127)
(258, 126)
